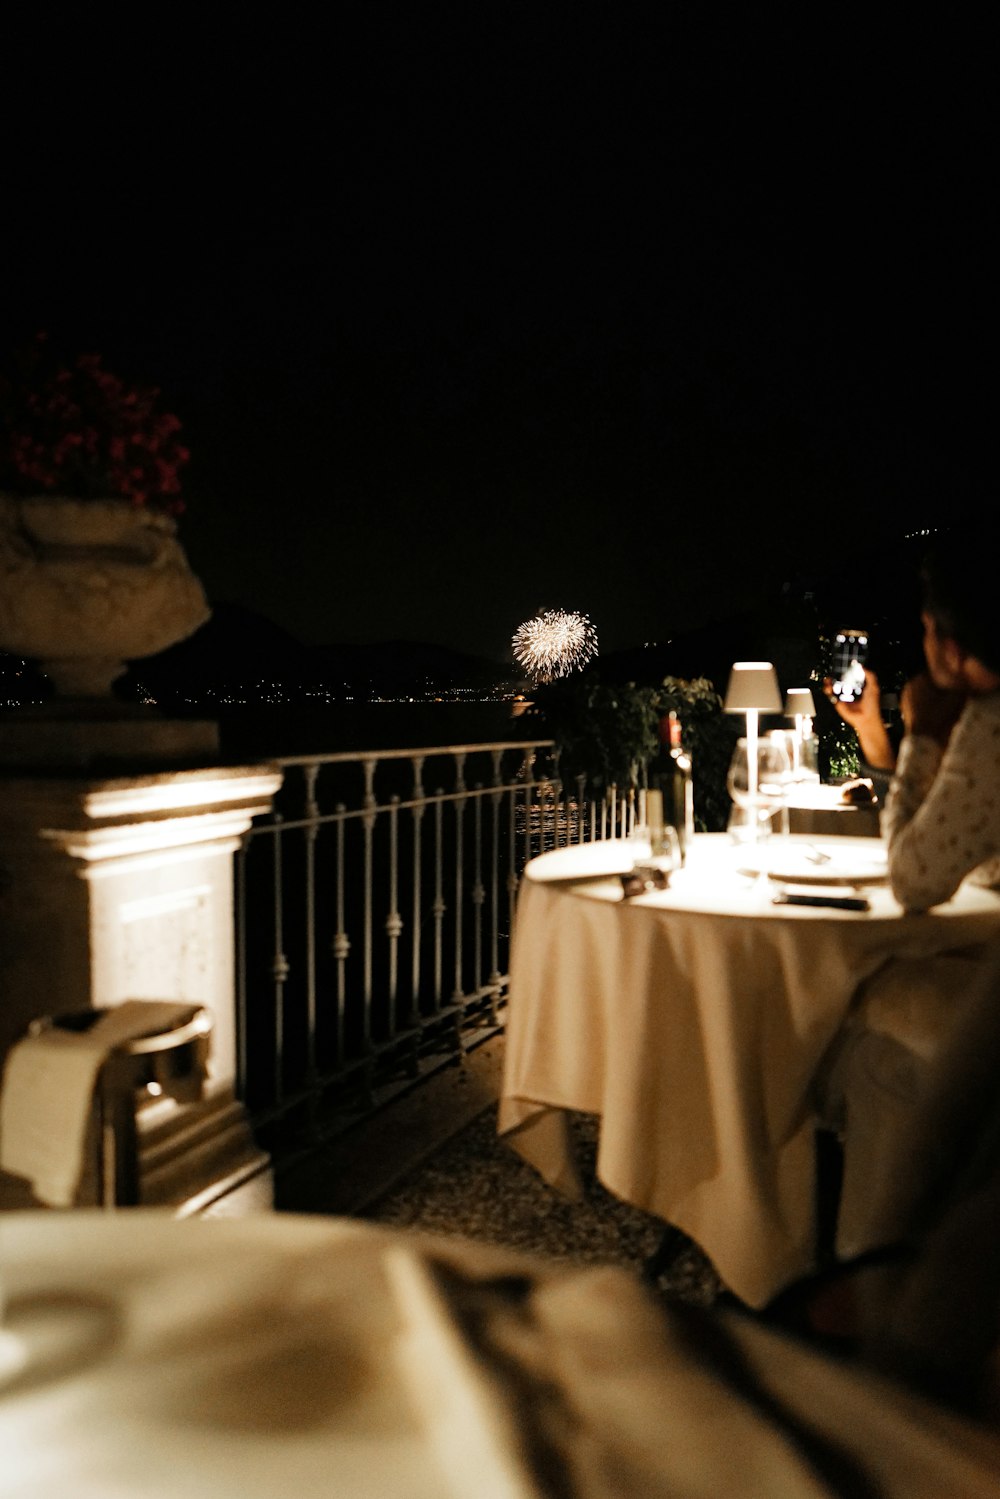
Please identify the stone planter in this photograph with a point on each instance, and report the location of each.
(86, 585)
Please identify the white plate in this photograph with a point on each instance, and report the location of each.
(800, 866)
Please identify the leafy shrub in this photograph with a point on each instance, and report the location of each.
(607, 733)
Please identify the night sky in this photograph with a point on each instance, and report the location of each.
(472, 309)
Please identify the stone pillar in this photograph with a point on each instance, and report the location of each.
(122, 888)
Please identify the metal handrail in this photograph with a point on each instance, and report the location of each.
(373, 931)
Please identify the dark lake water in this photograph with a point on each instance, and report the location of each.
(338, 728)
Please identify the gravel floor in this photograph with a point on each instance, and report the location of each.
(475, 1186)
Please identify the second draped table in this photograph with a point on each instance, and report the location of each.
(692, 1021)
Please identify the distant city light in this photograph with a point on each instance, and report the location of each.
(553, 643)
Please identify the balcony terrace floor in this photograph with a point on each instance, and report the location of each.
(431, 1160)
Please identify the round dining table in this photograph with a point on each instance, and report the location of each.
(693, 1019)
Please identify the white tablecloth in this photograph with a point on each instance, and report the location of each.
(693, 1021)
(278, 1356)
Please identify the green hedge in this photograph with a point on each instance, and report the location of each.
(608, 734)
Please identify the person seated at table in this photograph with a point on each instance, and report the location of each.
(942, 817)
(941, 824)
(929, 1311)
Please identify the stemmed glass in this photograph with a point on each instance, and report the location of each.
(759, 781)
(801, 754)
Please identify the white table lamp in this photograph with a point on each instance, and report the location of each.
(800, 705)
(753, 689)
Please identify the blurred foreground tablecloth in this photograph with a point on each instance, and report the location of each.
(278, 1355)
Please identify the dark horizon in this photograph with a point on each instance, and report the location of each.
(470, 315)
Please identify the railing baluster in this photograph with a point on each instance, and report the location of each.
(368, 827)
(496, 798)
(512, 857)
(560, 812)
(240, 876)
(460, 805)
(418, 817)
(478, 892)
(341, 941)
(529, 786)
(438, 909)
(311, 833)
(393, 922)
(279, 967)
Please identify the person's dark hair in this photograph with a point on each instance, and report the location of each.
(959, 579)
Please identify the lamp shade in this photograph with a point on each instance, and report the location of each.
(799, 703)
(753, 684)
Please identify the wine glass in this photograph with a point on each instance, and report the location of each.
(759, 781)
(775, 781)
(801, 754)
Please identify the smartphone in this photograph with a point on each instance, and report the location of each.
(850, 652)
(838, 902)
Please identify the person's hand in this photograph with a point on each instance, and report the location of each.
(864, 715)
(864, 710)
(929, 710)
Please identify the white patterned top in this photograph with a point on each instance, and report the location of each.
(942, 817)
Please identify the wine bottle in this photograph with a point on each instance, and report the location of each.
(683, 786)
(668, 799)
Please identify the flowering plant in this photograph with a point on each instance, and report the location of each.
(76, 430)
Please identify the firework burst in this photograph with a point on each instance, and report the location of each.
(553, 643)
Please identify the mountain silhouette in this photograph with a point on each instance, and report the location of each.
(240, 648)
